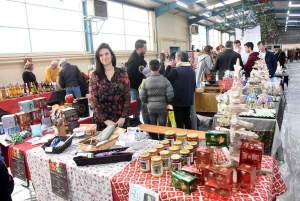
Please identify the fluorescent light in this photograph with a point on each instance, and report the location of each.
(198, 1)
(229, 16)
(288, 12)
(294, 15)
(295, 5)
(286, 22)
(293, 20)
(231, 1)
(215, 6)
(182, 4)
(287, 18)
(226, 24)
(206, 15)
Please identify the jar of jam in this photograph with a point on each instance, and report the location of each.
(193, 137)
(170, 135)
(182, 137)
(191, 150)
(159, 148)
(166, 160)
(166, 144)
(145, 162)
(194, 144)
(185, 157)
(156, 166)
(174, 150)
(175, 162)
(178, 144)
(152, 152)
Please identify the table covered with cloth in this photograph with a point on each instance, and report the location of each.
(88, 183)
(267, 129)
(267, 187)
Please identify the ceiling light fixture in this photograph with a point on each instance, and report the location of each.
(182, 4)
(294, 15)
(293, 5)
(287, 18)
(288, 12)
(198, 1)
(206, 15)
(293, 20)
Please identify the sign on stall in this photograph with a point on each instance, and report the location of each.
(18, 164)
(59, 179)
(140, 193)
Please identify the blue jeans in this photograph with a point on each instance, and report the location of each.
(74, 90)
(135, 95)
(162, 121)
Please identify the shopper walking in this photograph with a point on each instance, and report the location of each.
(269, 57)
(134, 62)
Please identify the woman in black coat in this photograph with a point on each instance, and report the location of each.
(28, 75)
(281, 59)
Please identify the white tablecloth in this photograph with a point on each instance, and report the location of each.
(87, 183)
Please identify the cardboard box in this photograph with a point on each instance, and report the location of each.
(36, 116)
(25, 127)
(91, 128)
(195, 172)
(211, 191)
(204, 157)
(26, 106)
(70, 126)
(13, 130)
(46, 112)
(9, 121)
(224, 177)
(210, 174)
(217, 138)
(69, 114)
(47, 121)
(224, 194)
(246, 178)
(39, 103)
(251, 153)
(23, 118)
(184, 182)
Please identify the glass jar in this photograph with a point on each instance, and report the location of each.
(156, 166)
(159, 148)
(185, 157)
(145, 162)
(174, 150)
(152, 152)
(191, 150)
(178, 144)
(182, 137)
(166, 144)
(166, 160)
(194, 144)
(170, 135)
(175, 162)
(193, 137)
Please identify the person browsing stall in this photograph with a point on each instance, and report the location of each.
(28, 75)
(241, 51)
(269, 58)
(172, 63)
(7, 182)
(205, 65)
(253, 56)
(51, 72)
(109, 90)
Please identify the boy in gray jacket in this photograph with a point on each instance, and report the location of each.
(156, 92)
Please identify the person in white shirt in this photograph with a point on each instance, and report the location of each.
(241, 51)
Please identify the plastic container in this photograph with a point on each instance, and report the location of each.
(194, 144)
(156, 166)
(159, 148)
(166, 159)
(145, 162)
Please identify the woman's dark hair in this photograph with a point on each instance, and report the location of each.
(161, 57)
(100, 71)
(207, 49)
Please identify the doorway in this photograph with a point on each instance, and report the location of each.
(174, 49)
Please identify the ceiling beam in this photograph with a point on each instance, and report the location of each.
(168, 6)
(194, 20)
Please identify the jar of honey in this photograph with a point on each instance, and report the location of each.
(166, 144)
(159, 148)
(191, 150)
(174, 150)
(175, 162)
(193, 137)
(178, 144)
(185, 157)
(145, 162)
(182, 137)
(166, 160)
(152, 152)
(170, 135)
(194, 144)
(156, 166)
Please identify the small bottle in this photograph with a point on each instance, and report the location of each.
(174, 150)
(193, 137)
(182, 136)
(3, 93)
(27, 89)
(159, 148)
(170, 135)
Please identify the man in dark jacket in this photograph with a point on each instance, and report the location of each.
(226, 60)
(135, 76)
(7, 182)
(183, 80)
(253, 56)
(270, 58)
(70, 78)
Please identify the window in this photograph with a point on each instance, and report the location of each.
(199, 40)
(225, 37)
(125, 25)
(214, 39)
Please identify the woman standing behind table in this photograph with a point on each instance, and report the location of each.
(28, 75)
(162, 67)
(205, 65)
(109, 90)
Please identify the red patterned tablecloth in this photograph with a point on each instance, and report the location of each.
(266, 188)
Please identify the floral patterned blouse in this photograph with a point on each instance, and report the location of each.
(110, 99)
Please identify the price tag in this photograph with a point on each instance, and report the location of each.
(140, 193)
(18, 164)
(48, 149)
(59, 179)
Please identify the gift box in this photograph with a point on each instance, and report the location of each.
(195, 172)
(204, 157)
(251, 153)
(90, 128)
(13, 130)
(217, 138)
(9, 121)
(211, 191)
(224, 177)
(46, 112)
(210, 174)
(224, 194)
(246, 178)
(46, 121)
(36, 116)
(26, 106)
(23, 118)
(184, 182)
(25, 127)
(70, 126)
(69, 114)
(39, 103)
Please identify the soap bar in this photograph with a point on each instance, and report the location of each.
(217, 138)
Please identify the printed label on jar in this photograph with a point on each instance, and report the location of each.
(185, 161)
(184, 142)
(171, 142)
(166, 162)
(176, 166)
(144, 165)
(192, 157)
(156, 170)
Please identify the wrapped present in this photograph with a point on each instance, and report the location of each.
(46, 112)
(251, 153)
(70, 126)
(246, 178)
(9, 121)
(184, 182)
(69, 114)
(23, 118)
(39, 103)
(217, 138)
(26, 106)
(204, 157)
(36, 116)
(25, 127)
(195, 172)
(46, 121)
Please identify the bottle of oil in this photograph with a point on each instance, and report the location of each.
(3, 92)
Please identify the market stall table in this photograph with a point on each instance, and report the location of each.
(285, 78)
(267, 187)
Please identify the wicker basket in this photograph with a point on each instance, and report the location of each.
(84, 144)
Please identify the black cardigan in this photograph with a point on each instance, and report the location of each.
(29, 77)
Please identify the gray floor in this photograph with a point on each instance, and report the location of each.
(290, 135)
